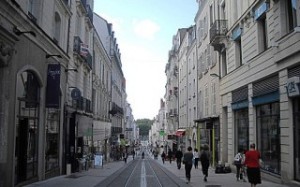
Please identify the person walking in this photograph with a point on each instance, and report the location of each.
(179, 156)
(204, 159)
(252, 158)
(163, 157)
(188, 162)
(196, 158)
(125, 157)
(170, 155)
(238, 158)
(133, 154)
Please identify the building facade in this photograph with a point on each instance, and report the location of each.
(259, 70)
(34, 60)
(57, 76)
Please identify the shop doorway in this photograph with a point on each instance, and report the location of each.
(296, 114)
(26, 151)
(26, 138)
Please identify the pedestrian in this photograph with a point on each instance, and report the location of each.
(125, 157)
(238, 158)
(133, 154)
(170, 154)
(179, 156)
(204, 159)
(252, 158)
(143, 155)
(196, 158)
(163, 157)
(188, 162)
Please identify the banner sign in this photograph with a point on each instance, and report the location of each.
(53, 86)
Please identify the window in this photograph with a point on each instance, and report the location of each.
(238, 52)
(206, 101)
(292, 14)
(269, 136)
(211, 18)
(57, 27)
(223, 62)
(213, 98)
(33, 10)
(262, 34)
(223, 10)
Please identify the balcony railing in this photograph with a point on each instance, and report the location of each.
(83, 51)
(83, 104)
(217, 33)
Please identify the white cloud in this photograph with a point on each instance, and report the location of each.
(146, 28)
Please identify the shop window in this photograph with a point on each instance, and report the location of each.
(52, 140)
(296, 122)
(242, 129)
(269, 136)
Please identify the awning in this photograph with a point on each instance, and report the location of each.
(180, 132)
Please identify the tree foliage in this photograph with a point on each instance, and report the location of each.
(144, 126)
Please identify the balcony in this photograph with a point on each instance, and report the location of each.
(115, 109)
(217, 34)
(82, 104)
(82, 51)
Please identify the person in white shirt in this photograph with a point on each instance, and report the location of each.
(196, 158)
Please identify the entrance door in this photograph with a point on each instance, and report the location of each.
(296, 114)
(22, 142)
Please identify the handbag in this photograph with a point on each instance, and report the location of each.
(261, 162)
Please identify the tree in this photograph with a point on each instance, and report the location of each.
(144, 126)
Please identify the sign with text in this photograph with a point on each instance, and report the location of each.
(53, 86)
(292, 86)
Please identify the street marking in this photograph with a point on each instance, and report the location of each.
(143, 176)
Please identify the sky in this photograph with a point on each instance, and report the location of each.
(144, 30)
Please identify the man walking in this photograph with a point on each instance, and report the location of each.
(188, 162)
(178, 156)
(204, 159)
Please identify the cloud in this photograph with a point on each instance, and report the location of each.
(146, 28)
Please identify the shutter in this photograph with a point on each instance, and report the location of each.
(240, 94)
(294, 72)
(268, 85)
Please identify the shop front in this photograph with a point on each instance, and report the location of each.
(293, 92)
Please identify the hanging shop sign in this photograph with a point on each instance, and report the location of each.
(53, 86)
(293, 86)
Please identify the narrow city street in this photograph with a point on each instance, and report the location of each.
(142, 172)
(147, 172)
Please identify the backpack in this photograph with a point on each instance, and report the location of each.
(238, 159)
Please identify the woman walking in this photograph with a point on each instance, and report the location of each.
(238, 158)
(252, 162)
(188, 162)
(196, 158)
